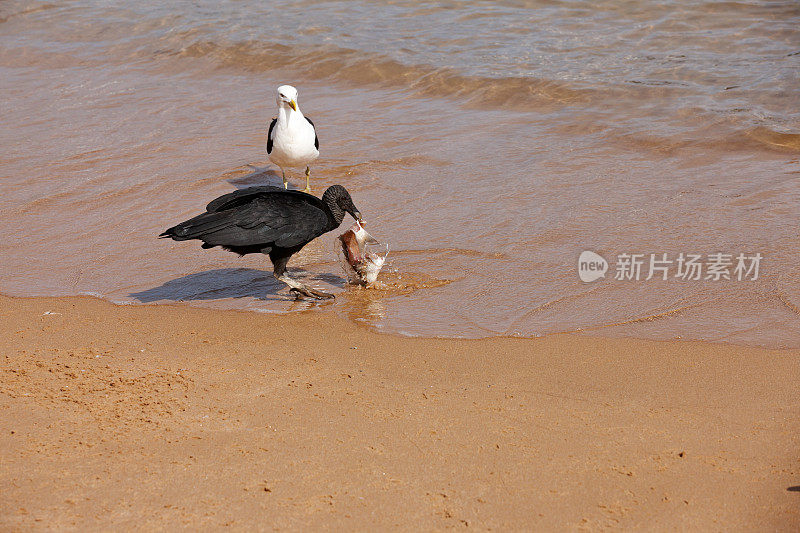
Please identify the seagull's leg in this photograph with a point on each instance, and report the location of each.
(308, 176)
(285, 183)
(279, 271)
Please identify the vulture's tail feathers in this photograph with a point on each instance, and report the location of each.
(198, 227)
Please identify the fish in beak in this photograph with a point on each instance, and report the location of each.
(362, 267)
(361, 234)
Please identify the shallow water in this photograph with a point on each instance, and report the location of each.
(488, 143)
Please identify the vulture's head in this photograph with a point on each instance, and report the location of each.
(338, 200)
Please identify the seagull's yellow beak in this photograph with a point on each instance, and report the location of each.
(293, 105)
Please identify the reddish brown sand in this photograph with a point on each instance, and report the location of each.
(153, 417)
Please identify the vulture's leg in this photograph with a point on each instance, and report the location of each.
(295, 286)
(285, 183)
(308, 176)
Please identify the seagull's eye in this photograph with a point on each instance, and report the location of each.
(283, 96)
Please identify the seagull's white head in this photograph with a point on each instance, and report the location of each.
(287, 97)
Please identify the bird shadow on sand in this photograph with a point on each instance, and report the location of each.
(230, 283)
(259, 176)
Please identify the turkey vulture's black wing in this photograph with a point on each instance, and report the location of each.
(269, 135)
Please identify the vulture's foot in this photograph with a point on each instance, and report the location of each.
(298, 288)
(311, 293)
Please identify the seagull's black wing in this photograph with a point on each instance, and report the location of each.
(257, 221)
(316, 139)
(269, 135)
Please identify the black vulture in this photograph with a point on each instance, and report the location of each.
(268, 220)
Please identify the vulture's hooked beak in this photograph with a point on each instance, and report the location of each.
(357, 216)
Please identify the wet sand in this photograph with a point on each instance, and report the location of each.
(155, 417)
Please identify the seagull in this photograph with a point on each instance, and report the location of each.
(271, 221)
(292, 139)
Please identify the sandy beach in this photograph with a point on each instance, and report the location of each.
(156, 417)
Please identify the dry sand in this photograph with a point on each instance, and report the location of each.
(152, 417)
